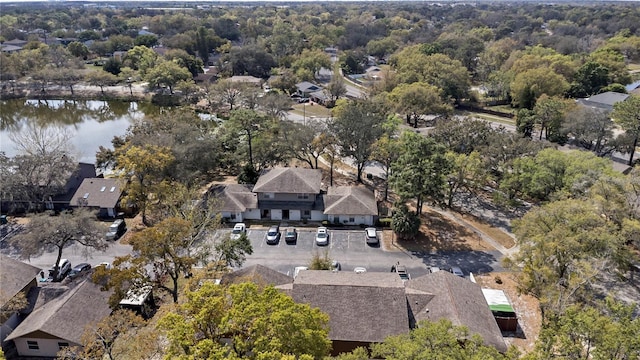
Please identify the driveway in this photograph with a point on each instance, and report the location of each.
(350, 249)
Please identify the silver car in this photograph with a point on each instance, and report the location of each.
(322, 236)
(273, 235)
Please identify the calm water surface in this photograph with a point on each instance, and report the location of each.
(92, 123)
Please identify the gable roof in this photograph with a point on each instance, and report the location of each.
(257, 274)
(290, 180)
(458, 300)
(97, 192)
(14, 276)
(364, 307)
(606, 100)
(235, 197)
(306, 86)
(67, 316)
(350, 200)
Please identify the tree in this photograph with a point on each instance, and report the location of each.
(166, 73)
(78, 49)
(232, 252)
(591, 128)
(420, 171)
(335, 89)
(386, 151)
(165, 247)
(627, 115)
(549, 114)
(148, 40)
(100, 341)
(564, 248)
(405, 223)
(43, 164)
(184, 59)
(101, 78)
(526, 122)
(585, 332)
(306, 142)
(529, 85)
(226, 91)
(588, 80)
(244, 321)
(275, 104)
(417, 100)
(249, 123)
(437, 340)
(54, 233)
(310, 62)
(143, 167)
(357, 125)
(141, 58)
(468, 172)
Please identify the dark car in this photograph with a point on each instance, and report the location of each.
(79, 270)
(273, 235)
(291, 236)
(116, 230)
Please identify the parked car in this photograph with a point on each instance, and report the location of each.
(303, 100)
(64, 267)
(273, 235)
(116, 230)
(322, 236)
(371, 236)
(359, 270)
(79, 270)
(291, 236)
(238, 230)
(456, 271)
(434, 269)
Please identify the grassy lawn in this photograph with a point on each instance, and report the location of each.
(309, 110)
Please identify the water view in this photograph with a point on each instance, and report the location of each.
(92, 123)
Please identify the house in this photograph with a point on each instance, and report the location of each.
(15, 277)
(83, 171)
(603, 101)
(365, 308)
(305, 88)
(100, 194)
(350, 205)
(61, 321)
(321, 97)
(10, 48)
(244, 79)
(257, 274)
(290, 194)
(237, 202)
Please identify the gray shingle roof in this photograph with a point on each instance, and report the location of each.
(14, 276)
(290, 180)
(306, 86)
(258, 274)
(458, 300)
(364, 307)
(235, 197)
(102, 193)
(350, 200)
(67, 316)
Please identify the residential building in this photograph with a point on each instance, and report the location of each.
(99, 194)
(16, 278)
(62, 320)
(290, 194)
(236, 201)
(305, 88)
(604, 101)
(350, 205)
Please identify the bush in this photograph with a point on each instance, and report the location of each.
(384, 222)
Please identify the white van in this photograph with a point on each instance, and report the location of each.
(64, 267)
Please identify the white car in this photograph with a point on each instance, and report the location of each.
(371, 236)
(238, 230)
(322, 236)
(297, 270)
(360, 270)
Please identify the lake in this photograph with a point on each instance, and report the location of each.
(92, 123)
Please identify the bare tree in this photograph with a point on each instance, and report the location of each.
(44, 163)
(45, 233)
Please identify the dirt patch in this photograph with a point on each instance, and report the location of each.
(496, 234)
(527, 309)
(437, 233)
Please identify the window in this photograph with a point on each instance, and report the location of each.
(62, 345)
(268, 195)
(306, 213)
(352, 219)
(33, 345)
(303, 196)
(233, 216)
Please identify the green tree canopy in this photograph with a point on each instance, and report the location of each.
(258, 322)
(627, 115)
